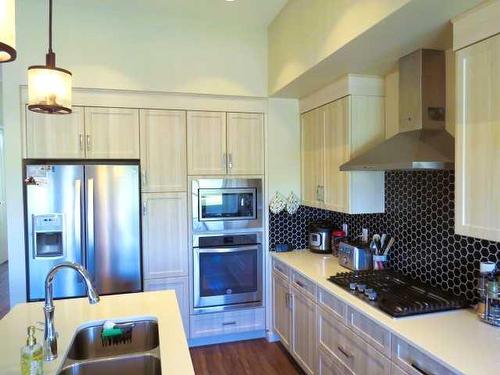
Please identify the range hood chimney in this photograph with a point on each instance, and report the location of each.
(422, 142)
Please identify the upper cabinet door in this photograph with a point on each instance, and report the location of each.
(313, 127)
(337, 153)
(245, 143)
(206, 143)
(477, 158)
(55, 136)
(112, 133)
(163, 150)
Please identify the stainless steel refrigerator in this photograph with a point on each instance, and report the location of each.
(85, 213)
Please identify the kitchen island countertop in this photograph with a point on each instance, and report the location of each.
(70, 314)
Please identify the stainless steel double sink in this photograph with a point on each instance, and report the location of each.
(140, 355)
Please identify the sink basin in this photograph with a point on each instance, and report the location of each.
(87, 343)
(144, 364)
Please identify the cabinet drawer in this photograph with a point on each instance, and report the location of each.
(332, 304)
(414, 362)
(396, 370)
(354, 353)
(281, 268)
(372, 332)
(305, 285)
(223, 323)
(328, 364)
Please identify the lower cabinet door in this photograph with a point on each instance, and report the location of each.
(304, 331)
(180, 285)
(281, 309)
(328, 364)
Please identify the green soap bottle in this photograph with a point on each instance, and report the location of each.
(31, 355)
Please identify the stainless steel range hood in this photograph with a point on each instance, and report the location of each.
(423, 142)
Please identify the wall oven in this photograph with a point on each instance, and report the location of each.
(220, 204)
(227, 271)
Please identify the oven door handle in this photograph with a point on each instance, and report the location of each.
(233, 249)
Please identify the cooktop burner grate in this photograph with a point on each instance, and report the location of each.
(395, 294)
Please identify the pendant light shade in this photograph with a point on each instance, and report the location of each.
(7, 31)
(49, 87)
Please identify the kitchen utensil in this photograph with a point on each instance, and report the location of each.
(379, 262)
(382, 241)
(389, 245)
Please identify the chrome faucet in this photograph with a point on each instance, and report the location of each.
(50, 335)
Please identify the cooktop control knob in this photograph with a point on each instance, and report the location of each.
(361, 287)
(372, 296)
(353, 286)
(368, 291)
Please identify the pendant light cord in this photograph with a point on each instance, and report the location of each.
(50, 26)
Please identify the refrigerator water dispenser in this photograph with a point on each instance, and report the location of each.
(48, 236)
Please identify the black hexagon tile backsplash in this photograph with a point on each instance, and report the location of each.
(419, 213)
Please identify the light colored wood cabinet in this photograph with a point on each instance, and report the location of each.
(165, 251)
(330, 365)
(206, 143)
(304, 330)
(112, 133)
(312, 175)
(55, 137)
(281, 308)
(163, 150)
(331, 136)
(181, 287)
(245, 143)
(355, 353)
(227, 322)
(477, 155)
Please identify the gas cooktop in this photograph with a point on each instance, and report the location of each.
(395, 294)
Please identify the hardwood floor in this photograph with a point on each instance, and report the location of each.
(4, 289)
(253, 357)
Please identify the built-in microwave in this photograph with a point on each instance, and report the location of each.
(220, 204)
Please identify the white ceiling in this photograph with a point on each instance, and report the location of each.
(251, 13)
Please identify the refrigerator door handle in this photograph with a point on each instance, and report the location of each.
(77, 209)
(90, 256)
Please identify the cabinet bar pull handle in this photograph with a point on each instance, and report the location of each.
(342, 350)
(419, 370)
(144, 209)
(81, 142)
(88, 142)
(144, 178)
(224, 160)
(300, 284)
(229, 323)
(230, 161)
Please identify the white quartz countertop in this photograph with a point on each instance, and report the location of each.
(457, 338)
(70, 314)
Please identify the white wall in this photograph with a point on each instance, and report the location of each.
(122, 44)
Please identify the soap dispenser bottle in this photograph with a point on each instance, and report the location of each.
(31, 355)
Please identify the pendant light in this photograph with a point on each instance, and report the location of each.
(49, 87)
(7, 31)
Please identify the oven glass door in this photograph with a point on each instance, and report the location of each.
(225, 276)
(227, 204)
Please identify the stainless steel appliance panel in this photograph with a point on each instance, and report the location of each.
(54, 197)
(113, 227)
(246, 212)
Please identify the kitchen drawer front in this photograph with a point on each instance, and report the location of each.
(413, 362)
(281, 268)
(354, 353)
(372, 332)
(305, 285)
(332, 304)
(227, 322)
(328, 364)
(396, 370)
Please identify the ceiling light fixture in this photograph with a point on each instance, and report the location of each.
(7, 31)
(49, 87)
